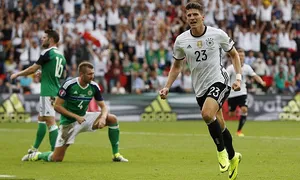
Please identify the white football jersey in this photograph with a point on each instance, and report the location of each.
(203, 54)
(246, 71)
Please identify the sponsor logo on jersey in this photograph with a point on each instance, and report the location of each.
(199, 44)
(75, 92)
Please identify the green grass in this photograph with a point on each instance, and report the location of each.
(157, 151)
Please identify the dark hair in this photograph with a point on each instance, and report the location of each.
(52, 34)
(82, 66)
(195, 4)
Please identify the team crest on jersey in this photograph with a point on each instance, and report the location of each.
(90, 92)
(199, 44)
(209, 42)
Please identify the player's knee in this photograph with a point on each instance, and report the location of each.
(112, 119)
(244, 110)
(58, 158)
(49, 121)
(207, 116)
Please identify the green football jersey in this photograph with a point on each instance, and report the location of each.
(77, 98)
(53, 65)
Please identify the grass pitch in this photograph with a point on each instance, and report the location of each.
(157, 151)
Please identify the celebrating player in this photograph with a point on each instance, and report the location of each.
(201, 47)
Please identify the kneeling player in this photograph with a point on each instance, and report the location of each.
(72, 102)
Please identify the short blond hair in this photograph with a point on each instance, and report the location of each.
(84, 65)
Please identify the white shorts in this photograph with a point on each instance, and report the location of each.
(46, 107)
(67, 133)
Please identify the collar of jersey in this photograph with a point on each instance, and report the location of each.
(201, 34)
(77, 79)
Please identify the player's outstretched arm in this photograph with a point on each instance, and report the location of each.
(258, 79)
(101, 120)
(235, 58)
(174, 72)
(30, 70)
(58, 106)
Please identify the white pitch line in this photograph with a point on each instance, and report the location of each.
(172, 134)
(206, 135)
(7, 176)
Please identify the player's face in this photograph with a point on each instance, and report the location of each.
(194, 18)
(45, 41)
(88, 76)
(242, 57)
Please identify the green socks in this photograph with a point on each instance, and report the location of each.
(40, 134)
(46, 156)
(53, 132)
(113, 134)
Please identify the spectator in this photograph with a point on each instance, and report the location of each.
(290, 82)
(154, 84)
(118, 89)
(140, 50)
(35, 86)
(3, 87)
(286, 9)
(100, 68)
(142, 31)
(138, 85)
(10, 64)
(113, 18)
(34, 51)
(273, 46)
(260, 67)
(25, 82)
(249, 59)
(280, 80)
(264, 13)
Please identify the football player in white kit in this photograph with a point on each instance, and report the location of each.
(201, 47)
(239, 98)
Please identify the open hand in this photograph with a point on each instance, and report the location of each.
(101, 122)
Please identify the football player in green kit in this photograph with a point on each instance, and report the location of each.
(52, 63)
(72, 102)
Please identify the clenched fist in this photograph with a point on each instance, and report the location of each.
(236, 86)
(164, 93)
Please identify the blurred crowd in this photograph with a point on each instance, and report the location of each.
(130, 41)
